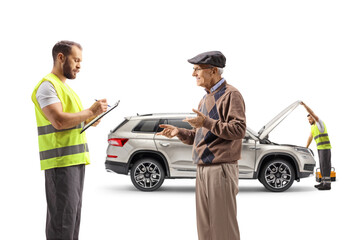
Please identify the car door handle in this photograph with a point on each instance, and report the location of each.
(165, 144)
(254, 148)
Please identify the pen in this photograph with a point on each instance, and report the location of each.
(97, 100)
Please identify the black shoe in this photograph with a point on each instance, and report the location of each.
(318, 185)
(326, 186)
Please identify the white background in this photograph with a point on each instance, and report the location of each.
(136, 51)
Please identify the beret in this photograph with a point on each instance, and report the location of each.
(213, 58)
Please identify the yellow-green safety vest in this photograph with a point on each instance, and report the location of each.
(321, 138)
(60, 148)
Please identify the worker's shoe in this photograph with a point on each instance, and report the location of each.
(325, 186)
(318, 185)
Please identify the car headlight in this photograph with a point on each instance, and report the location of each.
(304, 150)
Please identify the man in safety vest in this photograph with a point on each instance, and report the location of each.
(63, 150)
(320, 134)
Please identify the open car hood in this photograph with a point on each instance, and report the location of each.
(265, 130)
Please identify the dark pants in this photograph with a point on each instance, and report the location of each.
(64, 187)
(325, 164)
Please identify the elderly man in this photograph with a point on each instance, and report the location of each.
(63, 150)
(219, 127)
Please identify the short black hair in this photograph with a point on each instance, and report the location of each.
(308, 115)
(63, 47)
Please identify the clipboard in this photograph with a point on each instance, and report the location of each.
(99, 116)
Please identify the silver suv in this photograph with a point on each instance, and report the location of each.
(134, 147)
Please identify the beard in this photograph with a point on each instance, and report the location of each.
(68, 73)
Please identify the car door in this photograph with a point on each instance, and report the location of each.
(178, 154)
(248, 156)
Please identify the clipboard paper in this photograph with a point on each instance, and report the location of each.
(99, 117)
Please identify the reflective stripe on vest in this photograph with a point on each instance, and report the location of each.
(323, 143)
(50, 129)
(64, 151)
(321, 135)
(60, 148)
(321, 138)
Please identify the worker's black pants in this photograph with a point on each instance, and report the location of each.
(64, 187)
(325, 164)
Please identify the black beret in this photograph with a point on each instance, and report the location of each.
(213, 58)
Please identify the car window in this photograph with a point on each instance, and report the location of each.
(179, 123)
(147, 126)
(120, 125)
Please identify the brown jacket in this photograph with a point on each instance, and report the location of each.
(220, 139)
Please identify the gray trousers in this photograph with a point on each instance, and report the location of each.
(64, 187)
(325, 164)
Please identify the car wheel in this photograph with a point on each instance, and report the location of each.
(147, 174)
(277, 175)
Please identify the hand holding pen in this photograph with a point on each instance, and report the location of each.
(99, 107)
(105, 99)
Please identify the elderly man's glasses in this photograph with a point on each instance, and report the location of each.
(198, 69)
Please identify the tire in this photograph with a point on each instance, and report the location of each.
(277, 175)
(147, 174)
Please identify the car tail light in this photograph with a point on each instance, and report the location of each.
(118, 142)
(111, 156)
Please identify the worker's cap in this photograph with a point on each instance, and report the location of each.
(213, 58)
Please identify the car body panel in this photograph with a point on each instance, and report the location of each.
(248, 158)
(179, 156)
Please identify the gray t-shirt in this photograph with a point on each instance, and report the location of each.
(320, 125)
(46, 94)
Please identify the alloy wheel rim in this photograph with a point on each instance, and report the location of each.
(278, 175)
(147, 175)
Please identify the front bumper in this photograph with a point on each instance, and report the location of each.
(117, 167)
(304, 174)
(309, 167)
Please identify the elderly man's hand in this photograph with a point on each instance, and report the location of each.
(198, 121)
(168, 131)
